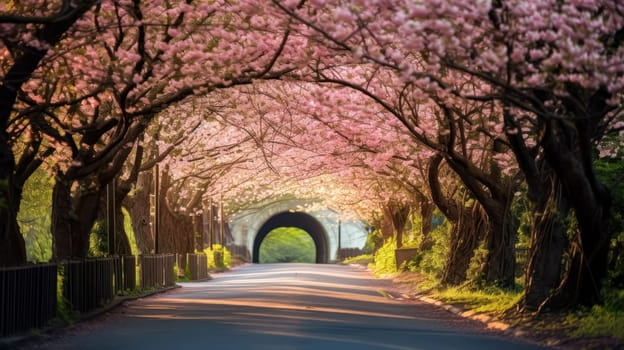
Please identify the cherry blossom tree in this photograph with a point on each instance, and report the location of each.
(556, 69)
(27, 36)
(146, 56)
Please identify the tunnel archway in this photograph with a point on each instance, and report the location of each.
(299, 220)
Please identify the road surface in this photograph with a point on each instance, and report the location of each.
(280, 306)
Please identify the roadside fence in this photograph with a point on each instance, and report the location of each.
(27, 297)
(29, 294)
(157, 270)
(198, 266)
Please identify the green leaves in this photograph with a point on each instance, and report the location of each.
(287, 245)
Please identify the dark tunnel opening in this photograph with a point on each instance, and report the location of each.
(299, 220)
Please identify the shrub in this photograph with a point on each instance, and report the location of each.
(219, 257)
(384, 258)
(432, 261)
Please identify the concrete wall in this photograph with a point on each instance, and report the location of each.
(246, 224)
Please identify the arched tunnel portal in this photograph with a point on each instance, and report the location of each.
(300, 220)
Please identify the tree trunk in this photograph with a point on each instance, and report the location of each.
(12, 245)
(73, 217)
(500, 262)
(175, 230)
(426, 215)
(569, 152)
(122, 243)
(466, 228)
(198, 231)
(466, 233)
(138, 206)
(548, 243)
(61, 225)
(395, 218)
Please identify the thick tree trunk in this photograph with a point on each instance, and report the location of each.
(466, 234)
(61, 226)
(198, 229)
(466, 228)
(387, 229)
(500, 262)
(426, 215)
(138, 206)
(175, 230)
(569, 152)
(72, 219)
(12, 245)
(122, 243)
(548, 243)
(395, 218)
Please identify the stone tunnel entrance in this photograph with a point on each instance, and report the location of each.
(299, 220)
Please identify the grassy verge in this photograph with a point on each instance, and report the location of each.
(363, 259)
(600, 320)
(493, 301)
(598, 327)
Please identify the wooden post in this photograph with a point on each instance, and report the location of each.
(221, 223)
(156, 206)
(110, 216)
(339, 257)
(212, 236)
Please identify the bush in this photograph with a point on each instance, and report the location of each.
(363, 259)
(601, 320)
(34, 216)
(432, 261)
(384, 259)
(219, 257)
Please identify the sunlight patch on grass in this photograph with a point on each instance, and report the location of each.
(363, 259)
(491, 300)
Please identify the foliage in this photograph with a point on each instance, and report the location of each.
(363, 259)
(374, 241)
(432, 261)
(520, 209)
(601, 320)
(219, 257)
(130, 232)
(98, 240)
(287, 245)
(611, 171)
(64, 310)
(385, 261)
(34, 216)
(486, 300)
(474, 272)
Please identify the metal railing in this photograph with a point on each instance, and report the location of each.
(198, 266)
(89, 283)
(157, 270)
(29, 294)
(27, 297)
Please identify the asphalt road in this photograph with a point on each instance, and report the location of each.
(282, 306)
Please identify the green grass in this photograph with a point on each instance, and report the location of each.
(287, 245)
(490, 300)
(600, 320)
(363, 259)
